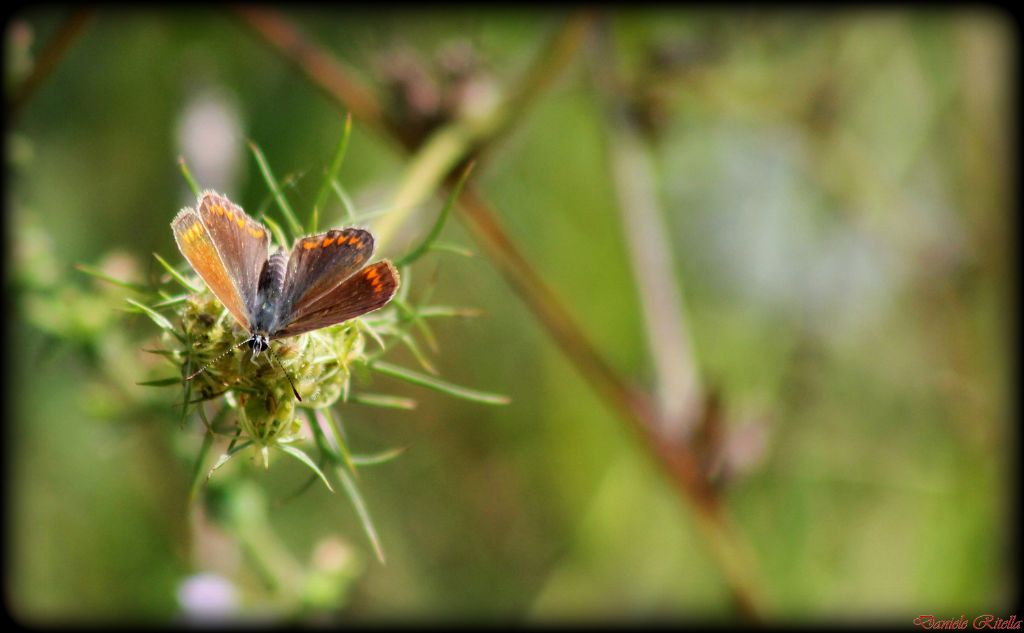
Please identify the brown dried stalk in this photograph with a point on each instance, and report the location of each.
(51, 54)
(633, 406)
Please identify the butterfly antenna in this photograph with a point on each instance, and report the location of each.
(225, 353)
(291, 383)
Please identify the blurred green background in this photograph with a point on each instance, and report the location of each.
(834, 188)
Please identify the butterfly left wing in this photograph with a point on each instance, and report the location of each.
(241, 241)
(365, 291)
(198, 247)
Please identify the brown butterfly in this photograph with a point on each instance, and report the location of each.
(324, 281)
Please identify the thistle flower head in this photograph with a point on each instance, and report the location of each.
(260, 387)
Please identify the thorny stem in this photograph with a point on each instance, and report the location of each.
(677, 459)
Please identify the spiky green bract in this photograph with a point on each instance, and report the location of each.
(258, 388)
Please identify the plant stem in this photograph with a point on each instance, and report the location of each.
(51, 54)
(678, 391)
(448, 147)
(319, 66)
(424, 174)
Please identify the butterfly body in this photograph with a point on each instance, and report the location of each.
(322, 281)
(266, 308)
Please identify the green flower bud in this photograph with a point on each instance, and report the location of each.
(260, 387)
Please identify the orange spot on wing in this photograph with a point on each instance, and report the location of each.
(200, 252)
(327, 242)
(309, 245)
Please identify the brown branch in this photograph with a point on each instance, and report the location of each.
(319, 66)
(679, 394)
(52, 53)
(546, 305)
(548, 66)
(632, 406)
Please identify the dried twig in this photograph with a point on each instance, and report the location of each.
(632, 405)
(678, 391)
(319, 66)
(51, 54)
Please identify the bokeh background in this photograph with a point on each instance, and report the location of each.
(831, 204)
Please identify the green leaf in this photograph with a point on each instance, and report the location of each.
(413, 347)
(372, 331)
(276, 230)
(156, 317)
(435, 231)
(161, 382)
(175, 274)
(89, 270)
(349, 484)
(188, 383)
(231, 452)
(346, 201)
(332, 173)
(412, 315)
(192, 184)
(427, 312)
(444, 247)
(437, 384)
(366, 216)
(384, 401)
(302, 457)
(171, 302)
(378, 458)
(286, 210)
(336, 443)
(197, 470)
(166, 353)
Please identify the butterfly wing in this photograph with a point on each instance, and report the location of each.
(318, 263)
(241, 241)
(227, 248)
(365, 291)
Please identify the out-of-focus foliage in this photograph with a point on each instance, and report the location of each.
(836, 194)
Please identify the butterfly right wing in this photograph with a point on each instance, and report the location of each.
(365, 291)
(318, 263)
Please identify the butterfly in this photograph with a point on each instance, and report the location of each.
(323, 281)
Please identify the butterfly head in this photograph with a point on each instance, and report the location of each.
(258, 343)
